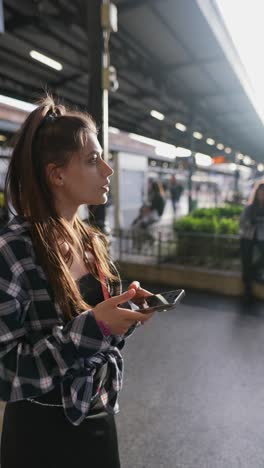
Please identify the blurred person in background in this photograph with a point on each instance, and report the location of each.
(176, 190)
(252, 238)
(142, 227)
(61, 323)
(157, 198)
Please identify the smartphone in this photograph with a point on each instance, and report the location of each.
(157, 302)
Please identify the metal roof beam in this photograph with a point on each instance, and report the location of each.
(69, 79)
(231, 92)
(175, 35)
(128, 5)
(18, 21)
(178, 66)
(38, 12)
(45, 24)
(33, 90)
(30, 43)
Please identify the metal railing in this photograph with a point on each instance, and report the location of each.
(186, 248)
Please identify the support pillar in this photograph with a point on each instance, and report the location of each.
(236, 185)
(191, 164)
(98, 38)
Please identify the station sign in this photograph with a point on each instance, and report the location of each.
(219, 159)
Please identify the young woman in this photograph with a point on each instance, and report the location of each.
(61, 326)
(252, 235)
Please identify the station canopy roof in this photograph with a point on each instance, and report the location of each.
(167, 56)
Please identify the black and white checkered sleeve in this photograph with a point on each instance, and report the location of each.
(33, 361)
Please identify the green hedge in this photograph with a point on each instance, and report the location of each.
(231, 211)
(222, 220)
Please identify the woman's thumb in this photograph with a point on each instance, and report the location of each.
(126, 296)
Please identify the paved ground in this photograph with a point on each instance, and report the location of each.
(193, 395)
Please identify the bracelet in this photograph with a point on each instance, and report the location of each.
(104, 328)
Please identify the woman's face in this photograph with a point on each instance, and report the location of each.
(260, 195)
(85, 179)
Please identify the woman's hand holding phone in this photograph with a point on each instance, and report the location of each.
(141, 294)
(119, 319)
(146, 302)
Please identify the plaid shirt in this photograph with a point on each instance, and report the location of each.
(39, 349)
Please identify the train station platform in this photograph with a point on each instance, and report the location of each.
(193, 393)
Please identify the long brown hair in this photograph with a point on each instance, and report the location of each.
(253, 200)
(52, 133)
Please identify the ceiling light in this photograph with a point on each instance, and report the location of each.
(220, 146)
(247, 160)
(3, 138)
(16, 103)
(197, 135)
(143, 139)
(203, 160)
(181, 127)
(183, 152)
(228, 150)
(210, 141)
(260, 167)
(157, 115)
(240, 156)
(161, 148)
(166, 150)
(46, 60)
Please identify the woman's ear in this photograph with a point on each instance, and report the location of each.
(54, 175)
